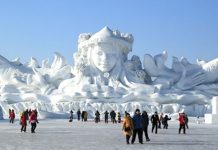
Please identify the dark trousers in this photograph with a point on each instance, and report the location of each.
(106, 120)
(23, 128)
(127, 139)
(114, 120)
(33, 127)
(165, 126)
(180, 128)
(154, 125)
(186, 124)
(139, 132)
(78, 117)
(11, 120)
(145, 130)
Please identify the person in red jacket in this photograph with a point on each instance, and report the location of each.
(23, 122)
(33, 120)
(12, 116)
(181, 122)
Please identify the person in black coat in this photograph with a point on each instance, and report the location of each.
(97, 116)
(186, 120)
(137, 122)
(145, 123)
(106, 116)
(26, 114)
(78, 114)
(165, 121)
(71, 116)
(155, 122)
(82, 115)
(113, 116)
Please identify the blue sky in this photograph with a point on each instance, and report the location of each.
(39, 28)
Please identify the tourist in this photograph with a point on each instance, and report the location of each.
(12, 116)
(181, 122)
(85, 116)
(145, 123)
(165, 121)
(161, 120)
(71, 116)
(23, 122)
(113, 116)
(78, 114)
(186, 120)
(26, 114)
(82, 115)
(155, 122)
(137, 120)
(106, 116)
(127, 127)
(33, 120)
(97, 116)
(119, 117)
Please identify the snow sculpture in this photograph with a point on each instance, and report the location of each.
(213, 117)
(101, 68)
(103, 78)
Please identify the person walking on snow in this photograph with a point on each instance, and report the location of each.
(127, 127)
(137, 122)
(165, 121)
(155, 122)
(71, 116)
(186, 120)
(12, 116)
(78, 114)
(181, 122)
(119, 117)
(145, 123)
(23, 122)
(33, 120)
(161, 120)
(106, 116)
(97, 116)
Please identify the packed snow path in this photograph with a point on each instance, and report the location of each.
(63, 135)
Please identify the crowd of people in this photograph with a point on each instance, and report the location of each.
(25, 116)
(131, 126)
(138, 124)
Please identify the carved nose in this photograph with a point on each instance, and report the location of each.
(104, 56)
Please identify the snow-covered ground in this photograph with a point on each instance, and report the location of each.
(63, 135)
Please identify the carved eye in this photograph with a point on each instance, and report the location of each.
(99, 53)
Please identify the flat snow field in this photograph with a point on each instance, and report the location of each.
(63, 135)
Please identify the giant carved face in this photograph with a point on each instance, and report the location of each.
(104, 56)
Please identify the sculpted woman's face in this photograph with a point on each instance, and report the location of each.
(104, 57)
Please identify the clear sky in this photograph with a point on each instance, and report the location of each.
(186, 28)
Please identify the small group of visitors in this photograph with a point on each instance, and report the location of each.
(27, 115)
(136, 126)
(83, 115)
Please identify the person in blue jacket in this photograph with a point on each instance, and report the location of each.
(137, 122)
